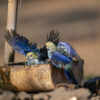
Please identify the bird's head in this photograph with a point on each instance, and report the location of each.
(50, 46)
(31, 56)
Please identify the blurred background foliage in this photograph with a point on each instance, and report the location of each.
(77, 20)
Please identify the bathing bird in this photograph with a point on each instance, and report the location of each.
(62, 57)
(22, 45)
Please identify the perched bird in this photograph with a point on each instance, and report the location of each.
(62, 55)
(77, 60)
(68, 50)
(60, 60)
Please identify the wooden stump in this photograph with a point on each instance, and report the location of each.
(42, 77)
(31, 78)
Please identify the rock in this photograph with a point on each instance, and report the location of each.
(95, 98)
(40, 96)
(23, 96)
(7, 95)
(81, 94)
(58, 94)
(62, 94)
(74, 98)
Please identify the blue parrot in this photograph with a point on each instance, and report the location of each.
(69, 49)
(62, 55)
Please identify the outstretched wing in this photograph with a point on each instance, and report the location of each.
(53, 37)
(19, 43)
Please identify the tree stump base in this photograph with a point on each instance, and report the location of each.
(34, 78)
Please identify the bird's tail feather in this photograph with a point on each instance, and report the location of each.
(69, 75)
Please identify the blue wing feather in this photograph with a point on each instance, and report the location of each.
(60, 60)
(67, 76)
(60, 57)
(20, 43)
(70, 49)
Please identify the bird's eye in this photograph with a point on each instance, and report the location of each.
(31, 56)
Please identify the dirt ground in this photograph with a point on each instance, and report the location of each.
(58, 94)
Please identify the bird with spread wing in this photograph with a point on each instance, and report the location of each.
(22, 45)
(62, 55)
